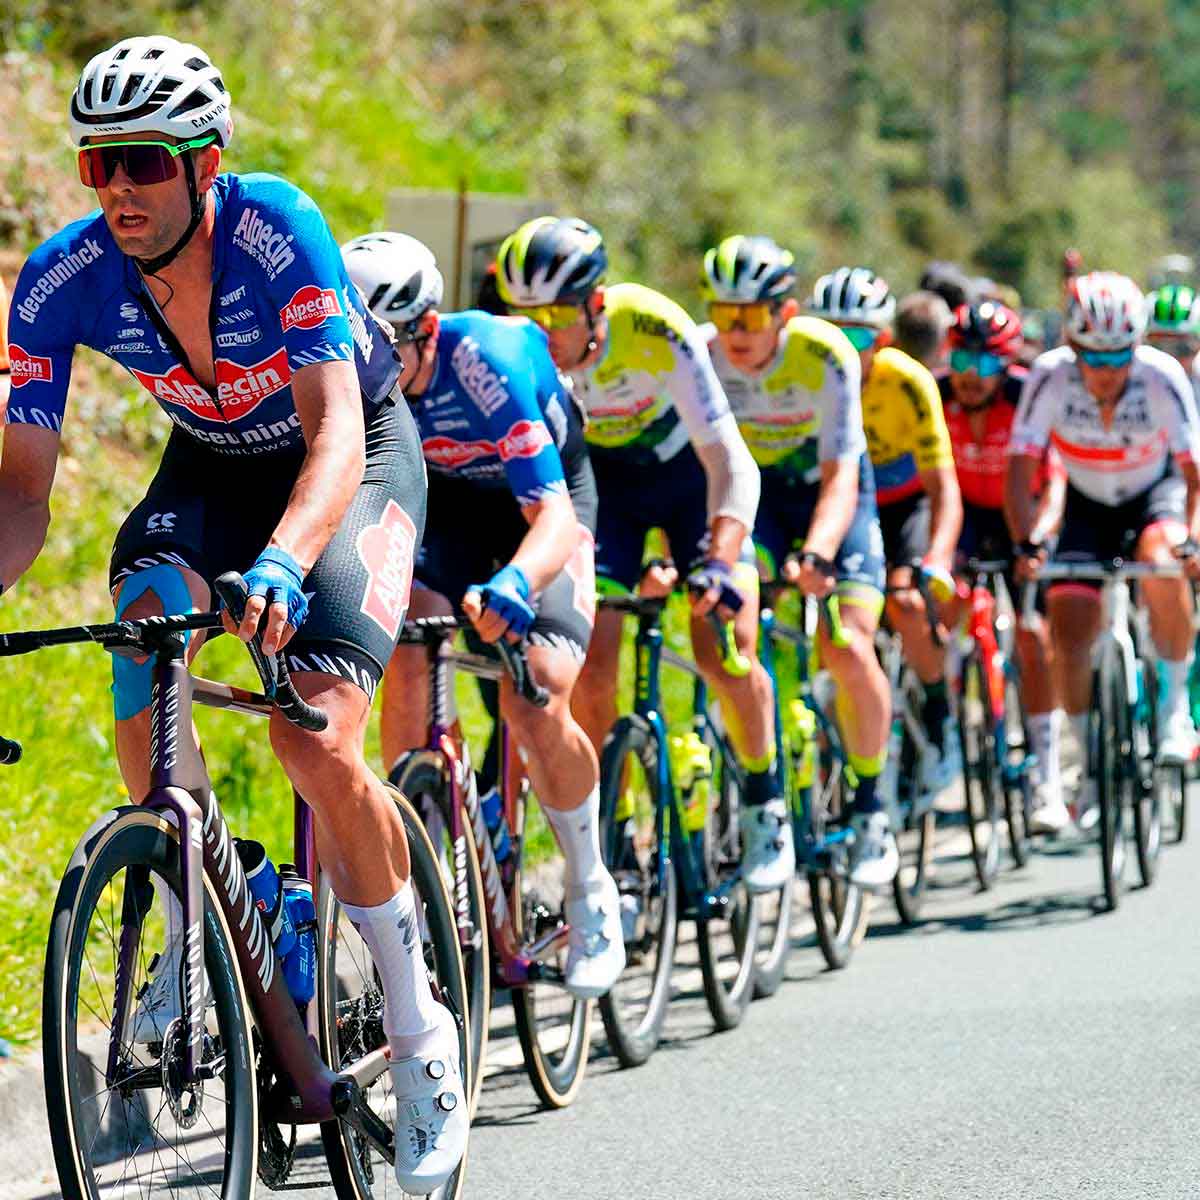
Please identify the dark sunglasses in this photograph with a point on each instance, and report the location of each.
(145, 163)
(984, 364)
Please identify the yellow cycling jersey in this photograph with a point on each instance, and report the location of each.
(905, 426)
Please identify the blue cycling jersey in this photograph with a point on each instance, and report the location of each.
(281, 300)
(496, 409)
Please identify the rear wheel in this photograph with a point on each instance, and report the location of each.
(1155, 788)
(634, 1010)
(914, 836)
(1111, 746)
(1018, 786)
(982, 785)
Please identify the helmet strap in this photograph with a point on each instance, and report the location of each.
(151, 266)
(592, 342)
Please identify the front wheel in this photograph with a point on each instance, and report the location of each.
(139, 1120)
(350, 1014)
(1112, 755)
(1154, 787)
(914, 824)
(982, 784)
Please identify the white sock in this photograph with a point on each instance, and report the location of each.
(1079, 727)
(578, 833)
(410, 1013)
(1175, 676)
(1044, 733)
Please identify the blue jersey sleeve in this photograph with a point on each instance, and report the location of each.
(322, 317)
(497, 366)
(43, 325)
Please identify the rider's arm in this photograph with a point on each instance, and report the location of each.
(1027, 447)
(1052, 499)
(835, 508)
(934, 457)
(1178, 416)
(552, 538)
(1021, 507)
(945, 514)
(26, 477)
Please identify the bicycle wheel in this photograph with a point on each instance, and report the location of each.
(1111, 742)
(1013, 745)
(983, 791)
(420, 777)
(914, 836)
(728, 938)
(143, 1124)
(841, 909)
(774, 938)
(553, 1026)
(1154, 788)
(350, 1014)
(634, 1010)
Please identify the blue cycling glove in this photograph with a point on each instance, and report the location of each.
(716, 574)
(277, 576)
(507, 595)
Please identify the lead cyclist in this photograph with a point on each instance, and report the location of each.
(292, 459)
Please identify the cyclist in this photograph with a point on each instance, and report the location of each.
(980, 392)
(667, 454)
(1123, 418)
(793, 385)
(920, 511)
(509, 467)
(1173, 324)
(290, 459)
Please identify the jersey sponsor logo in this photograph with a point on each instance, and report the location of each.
(67, 267)
(386, 551)
(163, 522)
(129, 312)
(258, 238)
(479, 381)
(133, 331)
(28, 368)
(309, 307)
(524, 439)
(240, 389)
(239, 337)
(358, 328)
(118, 348)
(242, 314)
(233, 297)
(451, 454)
(259, 439)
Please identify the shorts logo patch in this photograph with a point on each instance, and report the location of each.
(28, 368)
(240, 389)
(387, 550)
(450, 454)
(309, 307)
(524, 439)
(581, 571)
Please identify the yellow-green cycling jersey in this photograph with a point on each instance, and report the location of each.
(803, 408)
(905, 425)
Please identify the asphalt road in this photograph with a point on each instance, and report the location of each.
(1017, 1043)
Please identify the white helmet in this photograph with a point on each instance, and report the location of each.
(151, 84)
(1105, 311)
(854, 296)
(396, 273)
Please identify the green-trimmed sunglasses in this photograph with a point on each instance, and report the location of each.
(144, 163)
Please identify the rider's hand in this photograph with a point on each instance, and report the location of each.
(659, 577)
(501, 606)
(276, 587)
(1030, 558)
(810, 573)
(1188, 553)
(712, 587)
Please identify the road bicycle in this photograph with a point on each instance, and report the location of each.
(997, 763)
(509, 916)
(669, 807)
(217, 1100)
(1123, 722)
(818, 781)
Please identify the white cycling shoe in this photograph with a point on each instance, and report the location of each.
(159, 1001)
(1177, 746)
(431, 1113)
(596, 948)
(874, 858)
(768, 853)
(1048, 814)
(943, 765)
(1087, 805)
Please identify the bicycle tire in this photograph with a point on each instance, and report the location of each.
(841, 910)
(351, 1026)
(555, 1071)
(132, 839)
(1151, 782)
(421, 779)
(983, 793)
(634, 1010)
(728, 978)
(1110, 713)
(774, 939)
(914, 841)
(1013, 744)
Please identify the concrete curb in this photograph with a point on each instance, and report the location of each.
(26, 1160)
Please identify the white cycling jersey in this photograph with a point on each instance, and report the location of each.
(1155, 417)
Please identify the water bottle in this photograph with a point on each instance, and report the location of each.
(493, 816)
(691, 772)
(300, 963)
(268, 896)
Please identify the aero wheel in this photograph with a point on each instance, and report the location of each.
(774, 938)
(1111, 742)
(420, 777)
(553, 1026)
(1155, 789)
(726, 937)
(634, 1010)
(140, 1127)
(914, 837)
(841, 909)
(1013, 740)
(350, 1015)
(982, 784)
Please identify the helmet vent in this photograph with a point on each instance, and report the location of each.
(196, 99)
(197, 64)
(131, 86)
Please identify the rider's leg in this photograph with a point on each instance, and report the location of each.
(594, 701)
(1074, 611)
